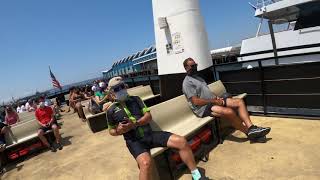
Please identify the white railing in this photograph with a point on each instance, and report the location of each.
(262, 3)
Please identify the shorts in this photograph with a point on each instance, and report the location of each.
(45, 129)
(156, 139)
(208, 111)
(2, 139)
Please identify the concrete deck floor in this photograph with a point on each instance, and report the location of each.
(292, 153)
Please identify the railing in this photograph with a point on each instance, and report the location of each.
(262, 3)
(287, 89)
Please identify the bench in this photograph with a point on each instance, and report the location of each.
(218, 89)
(26, 116)
(144, 92)
(175, 116)
(21, 135)
(98, 122)
(22, 132)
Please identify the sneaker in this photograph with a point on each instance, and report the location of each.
(259, 140)
(59, 146)
(203, 176)
(52, 149)
(257, 132)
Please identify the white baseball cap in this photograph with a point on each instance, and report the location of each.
(115, 81)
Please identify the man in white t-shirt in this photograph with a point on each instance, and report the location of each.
(18, 109)
(30, 106)
(23, 108)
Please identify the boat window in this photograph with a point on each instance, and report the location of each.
(307, 20)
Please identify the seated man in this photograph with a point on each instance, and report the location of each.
(3, 130)
(204, 103)
(44, 115)
(130, 117)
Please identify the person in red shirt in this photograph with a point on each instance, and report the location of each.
(45, 117)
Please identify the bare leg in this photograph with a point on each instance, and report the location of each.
(242, 110)
(106, 106)
(80, 111)
(42, 138)
(145, 165)
(4, 130)
(231, 116)
(185, 152)
(55, 129)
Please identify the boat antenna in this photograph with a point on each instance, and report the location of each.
(253, 6)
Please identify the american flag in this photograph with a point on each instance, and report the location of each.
(55, 82)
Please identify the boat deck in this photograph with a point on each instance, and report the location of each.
(292, 152)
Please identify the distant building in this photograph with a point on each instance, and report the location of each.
(140, 61)
(146, 60)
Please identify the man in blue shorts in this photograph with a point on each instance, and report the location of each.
(204, 103)
(130, 117)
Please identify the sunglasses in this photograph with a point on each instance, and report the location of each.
(119, 88)
(194, 65)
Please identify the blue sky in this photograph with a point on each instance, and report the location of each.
(80, 38)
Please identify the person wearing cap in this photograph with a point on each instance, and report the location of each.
(102, 96)
(45, 116)
(130, 117)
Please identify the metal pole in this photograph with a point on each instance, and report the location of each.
(215, 73)
(133, 83)
(262, 83)
(259, 27)
(273, 43)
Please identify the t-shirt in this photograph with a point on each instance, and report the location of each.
(137, 108)
(30, 108)
(196, 86)
(11, 118)
(23, 108)
(44, 115)
(100, 94)
(19, 110)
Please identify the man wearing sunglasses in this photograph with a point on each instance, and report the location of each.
(130, 117)
(204, 103)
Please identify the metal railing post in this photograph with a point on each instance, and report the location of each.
(262, 83)
(133, 83)
(214, 72)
